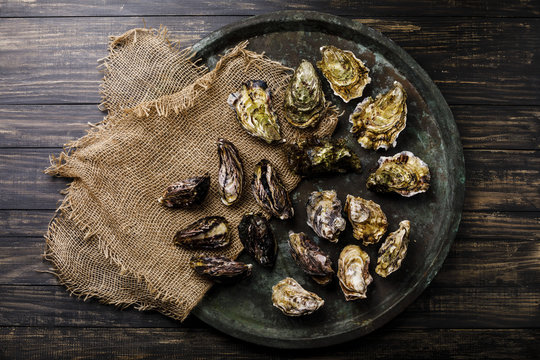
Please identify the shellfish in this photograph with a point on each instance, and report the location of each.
(270, 192)
(310, 258)
(367, 219)
(293, 300)
(393, 250)
(220, 268)
(258, 240)
(324, 214)
(353, 272)
(186, 193)
(231, 172)
(206, 233)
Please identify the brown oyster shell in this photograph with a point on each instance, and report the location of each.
(367, 219)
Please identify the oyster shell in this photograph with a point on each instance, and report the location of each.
(312, 156)
(353, 272)
(402, 173)
(258, 240)
(269, 191)
(253, 106)
(220, 268)
(379, 122)
(293, 300)
(206, 233)
(231, 172)
(347, 75)
(304, 102)
(324, 214)
(185, 193)
(367, 219)
(393, 250)
(310, 258)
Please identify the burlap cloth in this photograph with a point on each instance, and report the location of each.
(111, 239)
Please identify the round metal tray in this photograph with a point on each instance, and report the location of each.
(245, 310)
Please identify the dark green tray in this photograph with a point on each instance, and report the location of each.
(245, 310)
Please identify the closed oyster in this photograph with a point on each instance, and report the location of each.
(379, 122)
(258, 240)
(187, 192)
(313, 156)
(353, 272)
(367, 219)
(206, 233)
(220, 268)
(393, 250)
(293, 300)
(269, 191)
(253, 106)
(347, 75)
(310, 258)
(304, 102)
(402, 173)
(231, 172)
(324, 214)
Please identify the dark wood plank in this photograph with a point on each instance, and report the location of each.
(492, 61)
(496, 180)
(486, 127)
(21, 8)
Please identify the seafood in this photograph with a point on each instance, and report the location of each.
(258, 240)
(207, 233)
(186, 193)
(324, 214)
(270, 192)
(231, 172)
(353, 272)
(393, 250)
(293, 300)
(367, 219)
(310, 258)
(220, 268)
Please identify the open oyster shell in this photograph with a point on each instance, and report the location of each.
(402, 173)
(304, 102)
(206, 233)
(310, 258)
(353, 272)
(368, 220)
(293, 300)
(347, 75)
(220, 268)
(269, 191)
(253, 106)
(258, 240)
(378, 122)
(186, 193)
(231, 172)
(393, 250)
(324, 214)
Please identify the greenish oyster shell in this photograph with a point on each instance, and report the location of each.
(293, 300)
(220, 269)
(313, 156)
(231, 172)
(353, 272)
(258, 240)
(186, 193)
(378, 122)
(393, 250)
(367, 219)
(347, 75)
(207, 233)
(269, 191)
(324, 214)
(253, 106)
(304, 102)
(310, 258)
(402, 173)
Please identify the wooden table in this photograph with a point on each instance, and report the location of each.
(485, 57)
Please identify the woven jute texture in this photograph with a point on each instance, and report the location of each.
(111, 239)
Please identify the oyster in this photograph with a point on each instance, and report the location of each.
(312, 156)
(379, 122)
(304, 102)
(220, 268)
(253, 106)
(393, 250)
(353, 272)
(324, 214)
(206, 233)
(347, 75)
(402, 173)
(258, 239)
(269, 191)
(187, 192)
(367, 219)
(293, 300)
(231, 172)
(310, 258)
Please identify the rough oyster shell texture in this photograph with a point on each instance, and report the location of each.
(310, 258)
(207, 233)
(293, 300)
(186, 193)
(347, 75)
(378, 122)
(402, 173)
(353, 272)
(220, 268)
(258, 240)
(393, 250)
(253, 106)
(367, 218)
(324, 214)
(304, 102)
(231, 172)
(269, 191)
